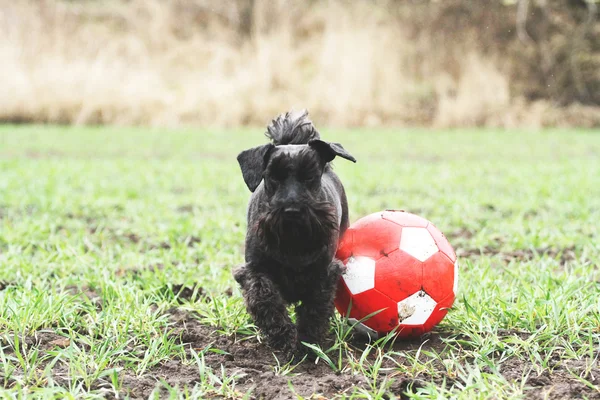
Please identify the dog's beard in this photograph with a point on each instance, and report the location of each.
(298, 236)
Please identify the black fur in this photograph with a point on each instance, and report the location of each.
(292, 128)
(296, 216)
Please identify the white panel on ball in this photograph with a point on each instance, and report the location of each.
(363, 329)
(360, 274)
(418, 243)
(416, 309)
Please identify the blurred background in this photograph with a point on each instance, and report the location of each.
(170, 63)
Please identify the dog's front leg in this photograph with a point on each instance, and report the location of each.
(316, 310)
(267, 308)
(313, 319)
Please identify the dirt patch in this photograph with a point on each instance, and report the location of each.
(88, 219)
(131, 237)
(252, 362)
(462, 233)
(564, 256)
(88, 293)
(189, 241)
(186, 209)
(561, 384)
(184, 292)
(44, 340)
(161, 245)
(256, 371)
(255, 368)
(137, 272)
(47, 340)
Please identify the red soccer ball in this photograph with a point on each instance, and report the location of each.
(399, 263)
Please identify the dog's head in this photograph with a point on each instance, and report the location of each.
(297, 217)
(291, 173)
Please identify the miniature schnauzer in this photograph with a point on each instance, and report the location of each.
(297, 213)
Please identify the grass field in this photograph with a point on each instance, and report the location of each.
(116, 249)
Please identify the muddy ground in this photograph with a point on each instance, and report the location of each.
(255, 366)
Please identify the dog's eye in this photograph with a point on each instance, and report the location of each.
(278, 175)
(306, 178)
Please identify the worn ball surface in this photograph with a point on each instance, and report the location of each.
(401, 264)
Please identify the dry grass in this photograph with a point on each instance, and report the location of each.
(169, 63)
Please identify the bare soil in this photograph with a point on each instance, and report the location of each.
(255, 365)
(564, 255)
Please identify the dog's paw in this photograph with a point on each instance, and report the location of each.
(301, 355)
(307, 345)
(304, 353)
(336, 268)
(239, 274)
(284, 340)
(288, 353)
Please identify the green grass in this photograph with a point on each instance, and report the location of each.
(100, 229)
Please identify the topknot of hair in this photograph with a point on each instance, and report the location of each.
(292, 127)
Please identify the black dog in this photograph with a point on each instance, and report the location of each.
(296, 216)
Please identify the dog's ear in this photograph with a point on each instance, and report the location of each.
(253, 163)
(328, 151)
